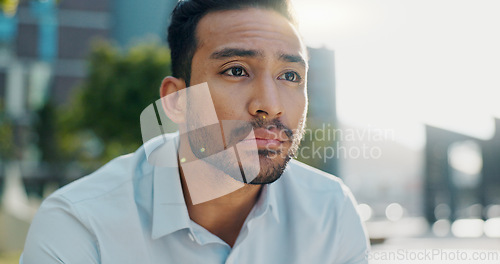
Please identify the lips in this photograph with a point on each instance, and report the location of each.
(267, 143)
(267, 139)
(273, 134)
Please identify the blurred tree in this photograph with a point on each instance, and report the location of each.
(45, 129)
(9, 7)
(318, 148)
(102, 120)
(6, 135)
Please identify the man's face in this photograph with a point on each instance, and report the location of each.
(255, 65)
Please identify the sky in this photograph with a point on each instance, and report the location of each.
(404, 63)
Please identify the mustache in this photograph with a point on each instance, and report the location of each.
(242, 131)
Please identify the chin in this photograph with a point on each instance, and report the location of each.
(272, 167)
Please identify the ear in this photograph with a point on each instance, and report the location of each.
(173, 98)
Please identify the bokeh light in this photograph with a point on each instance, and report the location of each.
(441, 228)
(365, 212)
(394, 212)
(470, 228)
(492, 227)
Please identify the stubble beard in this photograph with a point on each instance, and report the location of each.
(272, 163)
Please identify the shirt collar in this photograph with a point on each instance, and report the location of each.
(267, 201)
(169, 208)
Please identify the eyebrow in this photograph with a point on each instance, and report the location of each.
(235, 52)
(293, 58)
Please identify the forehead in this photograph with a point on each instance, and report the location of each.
(252, 28)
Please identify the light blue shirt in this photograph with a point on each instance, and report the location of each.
(132, 212)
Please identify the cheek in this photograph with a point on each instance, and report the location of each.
(295, 109)
(226, 105)
(296, 104)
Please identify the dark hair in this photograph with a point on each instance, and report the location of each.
(184, 20)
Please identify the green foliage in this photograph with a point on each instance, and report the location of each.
(6, 135)
(10, 257)
(318, 146)
(6, 140)
(9, 7)
(102, 120)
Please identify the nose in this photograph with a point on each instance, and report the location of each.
(266, 100)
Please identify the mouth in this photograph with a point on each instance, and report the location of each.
(264, 143)
(266, 139)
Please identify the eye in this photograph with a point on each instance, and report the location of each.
(290, 76)
(235, 71)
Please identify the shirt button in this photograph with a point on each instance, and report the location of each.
(190, 236)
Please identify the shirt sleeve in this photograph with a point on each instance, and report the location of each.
(58, 235)
(354, 242)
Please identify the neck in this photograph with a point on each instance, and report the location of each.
(223, 216)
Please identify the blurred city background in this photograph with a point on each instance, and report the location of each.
(403, 107)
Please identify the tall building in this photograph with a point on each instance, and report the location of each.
(44, 47)
(134, 22)
(462, 174)
(61, 35)
(322, 111)
(47, 53)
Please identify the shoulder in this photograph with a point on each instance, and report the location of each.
(102, 196)
(119, 176)
(67, 223)
(113, 177)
